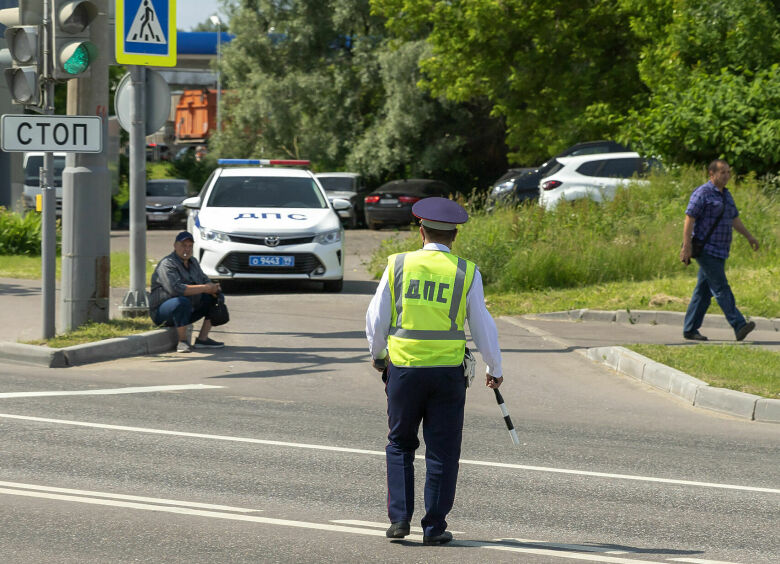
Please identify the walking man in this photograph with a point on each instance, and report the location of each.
(710, 217)
(417, 318)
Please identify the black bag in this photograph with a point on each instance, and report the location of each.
(697, 246)
(218, 312)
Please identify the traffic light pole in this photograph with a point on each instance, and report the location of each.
(49, 199)
(135, 302)
(86, 197)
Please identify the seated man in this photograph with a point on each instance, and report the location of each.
(181, 294)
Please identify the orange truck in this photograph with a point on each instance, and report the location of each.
(196, 115)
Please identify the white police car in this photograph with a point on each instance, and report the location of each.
(258, 222)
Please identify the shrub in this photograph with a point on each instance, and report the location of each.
(20, 235)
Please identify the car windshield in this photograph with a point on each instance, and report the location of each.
(337, 183)
(266, 192)
(32, 170)
(166, 189)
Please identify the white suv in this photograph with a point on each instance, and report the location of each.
(267, 223)
(596, 177)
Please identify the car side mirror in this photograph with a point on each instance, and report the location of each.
(192, 203)
(340, 204)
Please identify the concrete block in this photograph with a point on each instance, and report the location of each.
(554, 315)
(658, 375)
(767, 410)
(764, 324)
(606, 355)
(32, 354)
(685, 386)
(623, 316)
(160, 340)
(670, 318)
(595, 315)
(732, 402)
(107, 349)
(631, 363)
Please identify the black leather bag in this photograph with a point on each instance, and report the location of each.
(218, 312)
(697, 246)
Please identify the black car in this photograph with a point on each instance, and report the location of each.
(520, 184)
(163, 202)
(391, 203)
(347, 186)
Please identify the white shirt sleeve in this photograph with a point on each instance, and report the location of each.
(378, 319)
(482, 327)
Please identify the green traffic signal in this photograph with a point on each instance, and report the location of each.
(76, 57)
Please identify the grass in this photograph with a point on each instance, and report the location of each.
(29, 267)
(91, 332)
(745, 368)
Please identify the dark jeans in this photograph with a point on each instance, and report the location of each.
(435, 397)
(181, 311)
(712, 282)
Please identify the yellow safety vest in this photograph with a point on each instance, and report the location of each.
(428, 291)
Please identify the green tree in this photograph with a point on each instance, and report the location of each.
(317, 79)
(711, 68)
(557, 71)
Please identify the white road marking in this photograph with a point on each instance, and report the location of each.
(580, 547)
(317, 526)
(157, 500)
(108, 392)
(382, 526)
(700, 561)
(382, 453)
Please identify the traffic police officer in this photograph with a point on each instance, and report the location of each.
(418, 316)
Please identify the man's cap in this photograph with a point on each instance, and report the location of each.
(440, 213)
(184, 235)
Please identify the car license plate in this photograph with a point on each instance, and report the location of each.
(389, 201)
(157, 216)
(271, 260)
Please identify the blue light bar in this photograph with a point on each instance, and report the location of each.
(239, 162)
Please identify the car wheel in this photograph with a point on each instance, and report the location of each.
(353, 221)
(333, 285)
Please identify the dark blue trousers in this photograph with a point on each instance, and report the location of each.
(435, 397)
(181, 310)
(712, 282)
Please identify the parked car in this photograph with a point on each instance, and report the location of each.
(264, 222)
(596, 177)
(347, 186)
(164, 202)
(392, 202)
(521, 184)
(32, 163)
(158, 152)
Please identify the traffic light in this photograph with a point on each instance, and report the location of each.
(25, 50)
(72, 51)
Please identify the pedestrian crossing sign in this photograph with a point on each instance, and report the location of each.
(146, 32)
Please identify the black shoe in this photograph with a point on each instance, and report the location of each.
(398, 530)
(745, 329)
(443, 538)
(694, 336)
(207, 343)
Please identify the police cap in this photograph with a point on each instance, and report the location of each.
(440, 213)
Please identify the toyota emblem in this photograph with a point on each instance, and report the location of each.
(272, 241)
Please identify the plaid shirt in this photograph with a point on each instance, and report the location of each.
(705, 206)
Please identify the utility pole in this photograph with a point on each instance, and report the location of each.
(86, 184)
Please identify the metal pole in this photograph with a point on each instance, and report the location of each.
(48, 196)
(219, 80)
(86, 197)
(135, 302)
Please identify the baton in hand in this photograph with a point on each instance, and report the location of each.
(508, 420)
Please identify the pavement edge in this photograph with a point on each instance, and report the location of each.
(151, 342)
(692, 390)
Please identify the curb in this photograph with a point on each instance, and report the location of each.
(649, 317)
(692, 390)
(152, 342)
(686, 387)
